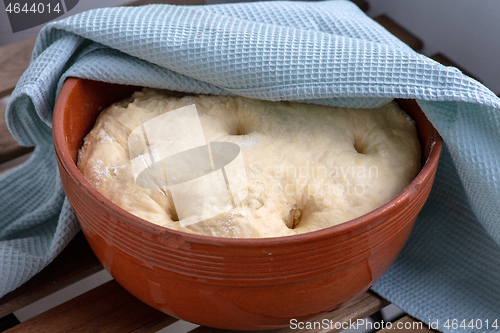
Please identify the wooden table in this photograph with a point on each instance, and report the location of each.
(109, 308)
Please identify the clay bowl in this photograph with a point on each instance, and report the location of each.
(233, 283)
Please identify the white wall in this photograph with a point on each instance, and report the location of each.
(466, 31)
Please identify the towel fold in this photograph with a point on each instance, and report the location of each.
(319, 52)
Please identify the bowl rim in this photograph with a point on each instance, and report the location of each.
(66, 162)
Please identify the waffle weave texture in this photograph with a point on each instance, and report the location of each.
(319, 52)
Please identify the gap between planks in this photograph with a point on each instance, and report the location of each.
(62, 272)
(107, 308)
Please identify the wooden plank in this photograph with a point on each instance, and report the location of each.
(107, 308)
(363, 306)
(9, 148)
(397, 30)
(62, 272)
(14, 59)
(407, 324)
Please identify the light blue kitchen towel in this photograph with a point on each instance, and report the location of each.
(319, 52)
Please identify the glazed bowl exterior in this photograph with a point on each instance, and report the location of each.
(233, 283)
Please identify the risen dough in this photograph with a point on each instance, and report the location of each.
(308, 167)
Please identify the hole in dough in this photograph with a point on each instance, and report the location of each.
(243, 126)
(173, 214)
(359, 146)
(171, 206)
(240, 129)
(293, 218)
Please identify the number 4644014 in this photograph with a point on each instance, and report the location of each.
(40, 7)
(472, 324)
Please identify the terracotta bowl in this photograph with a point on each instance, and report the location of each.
(233, 283)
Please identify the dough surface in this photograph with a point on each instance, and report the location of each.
(307, 166)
